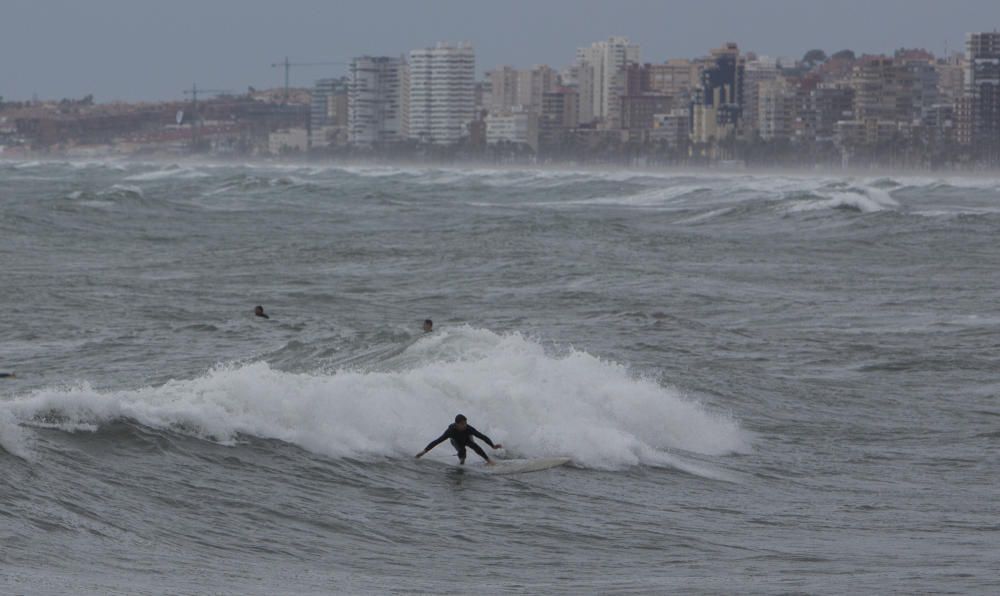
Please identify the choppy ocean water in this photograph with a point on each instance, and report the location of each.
(766, 383)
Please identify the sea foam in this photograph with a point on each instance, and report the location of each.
(538, 403)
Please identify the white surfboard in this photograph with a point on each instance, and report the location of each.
(523, 466)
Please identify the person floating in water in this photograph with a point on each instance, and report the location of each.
(428, 325)
(461, 435)
(9, 375)
(258, 311)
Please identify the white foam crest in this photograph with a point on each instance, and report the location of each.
(869, 200)
(704, 216)
(538, 404)
(170, 172)
(664, 197)
(27, 165)
(122, 189)
(953, 211)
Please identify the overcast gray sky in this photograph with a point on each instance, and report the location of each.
(152, 49)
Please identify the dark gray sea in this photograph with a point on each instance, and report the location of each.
(766, 383)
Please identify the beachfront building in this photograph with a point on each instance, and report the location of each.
(717, 106)
(759, 70)
(605, 62)
(512, 88)
(442, 93)
(378, 100)
(982, 92)
(519, 127)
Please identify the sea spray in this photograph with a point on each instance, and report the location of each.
(540, 404)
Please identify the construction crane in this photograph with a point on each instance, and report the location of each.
(195, 118)
(288, 67)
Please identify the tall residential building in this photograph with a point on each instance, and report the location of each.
(717, 104)
(951, 79)
(533, 83)
(442, 92)
(560, 114)
(605, 61)
(639, 102)
(377, 100)
(638, 111)
(883, 90)
(982, 90)
(326, 108)
(520, 89)
(775, 109)
(580, 78)
(832, 103)
(758, 70)
(503, 88)
(675, 78)
(925, 93)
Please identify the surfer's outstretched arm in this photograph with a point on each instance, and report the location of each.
(484, 438)
(436, 442)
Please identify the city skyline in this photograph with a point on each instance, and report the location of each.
(135, 51)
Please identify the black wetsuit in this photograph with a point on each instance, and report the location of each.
(462, 438)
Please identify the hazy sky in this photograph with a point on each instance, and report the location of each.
(146, 49)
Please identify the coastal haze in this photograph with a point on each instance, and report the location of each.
(736, 261)
(719, 84)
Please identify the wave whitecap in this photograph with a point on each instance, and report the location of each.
(538, 403)
(866, 200)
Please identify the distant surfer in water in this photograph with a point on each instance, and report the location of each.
(258, 311)
(7, 376)
(461, 435)
(428, 325)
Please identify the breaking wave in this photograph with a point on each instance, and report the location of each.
(537, 402)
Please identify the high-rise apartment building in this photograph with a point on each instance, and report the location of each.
(560, 114)
(717, 105)
(533, 83)
(639, 102)
(442, 92)
(513, 89)
(951, 79)
(982, 90)
(503, 88)
(580, 78)
(883, 90)
(326, 108)
(832, 103)
(675, 78)
(605, 61)
(759, 70)
(775, 107)
(378, 100)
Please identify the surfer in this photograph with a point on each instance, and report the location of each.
(258, 311)
(461, 435)
(7, 376)
(428, 325)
